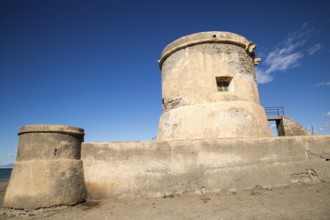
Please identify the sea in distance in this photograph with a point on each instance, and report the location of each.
(5, 173)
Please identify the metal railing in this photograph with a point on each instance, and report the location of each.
(274, 111)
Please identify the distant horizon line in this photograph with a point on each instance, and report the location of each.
(7, 166)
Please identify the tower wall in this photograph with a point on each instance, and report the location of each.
(209, 88)
(48, 170)
(162, 168)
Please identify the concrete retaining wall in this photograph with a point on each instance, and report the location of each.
(131, 169)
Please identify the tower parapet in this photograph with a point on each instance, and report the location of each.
(209, 88)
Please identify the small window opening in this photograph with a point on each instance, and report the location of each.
(223, 83)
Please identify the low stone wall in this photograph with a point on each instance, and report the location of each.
(131, 169)
(288, 127)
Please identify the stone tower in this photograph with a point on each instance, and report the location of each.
(209, 88)
(48, 170)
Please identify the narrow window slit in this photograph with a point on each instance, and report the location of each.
(223, 83)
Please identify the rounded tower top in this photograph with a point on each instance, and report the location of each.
(207, 37)
(49, 128)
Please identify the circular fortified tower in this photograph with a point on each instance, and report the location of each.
(48, 171)
(209, 88)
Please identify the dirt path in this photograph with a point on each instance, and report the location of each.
(305, 201)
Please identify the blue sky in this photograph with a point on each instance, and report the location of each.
(93, 64)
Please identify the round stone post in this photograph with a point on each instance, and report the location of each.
(48, 170)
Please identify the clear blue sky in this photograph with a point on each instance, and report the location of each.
(93, 64)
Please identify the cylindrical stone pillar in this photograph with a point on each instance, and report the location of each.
(209, 88)
(48, 170)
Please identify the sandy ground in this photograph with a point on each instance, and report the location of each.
(304, 201)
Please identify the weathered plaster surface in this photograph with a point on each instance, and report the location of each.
(213, 120)
(164, 167)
